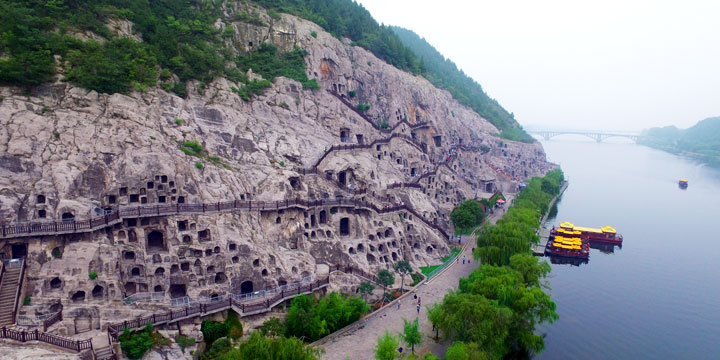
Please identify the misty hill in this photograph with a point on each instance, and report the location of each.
(443, 73)
(701, 140)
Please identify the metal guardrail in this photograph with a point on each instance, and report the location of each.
(443, 266)
(34, 320)
(144, 296)
(261, 294)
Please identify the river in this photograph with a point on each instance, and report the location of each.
(659, 296)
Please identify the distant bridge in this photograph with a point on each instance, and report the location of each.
(595, 135)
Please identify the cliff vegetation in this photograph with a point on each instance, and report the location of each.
(701, 141)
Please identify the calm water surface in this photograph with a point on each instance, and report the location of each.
(659, 296)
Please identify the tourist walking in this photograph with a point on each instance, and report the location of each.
(463, 259)
(418, 309)
(398, 305)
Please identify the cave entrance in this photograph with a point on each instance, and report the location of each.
(342, 178)
(246, 287)
(19, 251)
(323, 217)
(438, 140)
(78, 296)
(155, 241)
(97, 292)
(344, 226)
(488, 187)
(412, 171)
(360, 138)
(344, 137)
(68, 216)
(178, 291)
(312, 220)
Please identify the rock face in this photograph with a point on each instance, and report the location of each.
(66, 152)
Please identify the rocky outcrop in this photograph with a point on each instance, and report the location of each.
(66, 152)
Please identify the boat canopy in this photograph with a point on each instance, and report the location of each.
(608, 229)
(567, 225)
(683, 180)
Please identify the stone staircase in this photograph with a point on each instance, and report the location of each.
(104, 353)
(8, 294)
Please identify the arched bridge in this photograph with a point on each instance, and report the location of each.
(595, 135)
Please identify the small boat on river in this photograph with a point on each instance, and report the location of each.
(606, 234)
(567, 247)
(683, 184)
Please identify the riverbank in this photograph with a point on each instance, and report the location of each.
(359, 340)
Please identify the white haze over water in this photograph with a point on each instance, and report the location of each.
(577, 64)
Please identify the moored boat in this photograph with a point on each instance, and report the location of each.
(683, 184)
(567, 247)
(606, 234)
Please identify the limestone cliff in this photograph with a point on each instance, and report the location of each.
(66, 152)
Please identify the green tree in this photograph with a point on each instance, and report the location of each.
(465, 351)
(385, 278)
(273, 327)
(411, 335)
(436, 316)
(386, 348)
(366, 288)
(467, 215)
(259, 347)
(213, 330)
(403, 268)
(136, 344)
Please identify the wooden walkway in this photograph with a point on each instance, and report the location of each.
(119, 214)
(539, 249)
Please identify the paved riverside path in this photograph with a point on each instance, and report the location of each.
(359, 343)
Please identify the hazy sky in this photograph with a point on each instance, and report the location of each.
(604, 64)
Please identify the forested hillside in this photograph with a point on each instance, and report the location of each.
(701, 141)
(444, 74)
(181, 42)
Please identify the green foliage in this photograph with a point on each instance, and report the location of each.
(467, 215)
(217, 350)
(411, 335)
(228, 32)
(417, 278)
(115, 66)
(386, 348)
(26, 301)
(274, 14)
(184, 342)
(385, 278)
(465, 351)
(136, 344)
(249, 18)
(235, 329)
(260, 347)
(516, 231)
(384, 125)
(403, 267)
(56, 135)
(701, 141)
(314, 319)
(282, 163)
(213, 330)
(363, 108)
(495, 310)
(192, 148)
(269, 64)
(92, 275)
(366, 288)
(313, 34)
(178, 122)
(352, 93)
(284, 105)
(444, 74)
(57, 253)
(273, 327)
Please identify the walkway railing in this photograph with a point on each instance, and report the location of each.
(44, 320)
(243, 306)
(96, 223)
(37, 335)
(373, 123)
(144, 296)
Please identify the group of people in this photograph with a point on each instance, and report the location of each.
(417, 300)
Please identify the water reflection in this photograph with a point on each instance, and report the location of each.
(561, 260)
(604, 248)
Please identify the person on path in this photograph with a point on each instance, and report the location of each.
(398, 305)
(419, 301)
(415, 296)
(463, 259)
(418, 308)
